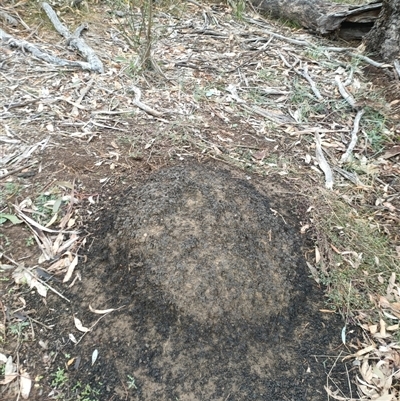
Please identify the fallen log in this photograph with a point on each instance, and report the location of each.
(347, 21)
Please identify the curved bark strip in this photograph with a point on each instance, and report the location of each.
(384, 38)
(36, 52)
(324, 17)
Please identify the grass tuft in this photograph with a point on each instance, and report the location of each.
(360, 257)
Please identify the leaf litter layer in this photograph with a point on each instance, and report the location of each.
(217, 299)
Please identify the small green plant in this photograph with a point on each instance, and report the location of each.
(4, 240)
(17, 328)
(30, 241)
(86, 393)
(60, 378)
(238, 8)
(131, 382)
(374, 124)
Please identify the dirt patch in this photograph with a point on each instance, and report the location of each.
(217, 300)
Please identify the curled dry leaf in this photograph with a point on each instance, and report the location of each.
(79, 325)
(100, 311)
(72, 338)
(3, 359)
(323, 164)
(317, 255)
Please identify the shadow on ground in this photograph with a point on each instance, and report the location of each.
(217, 302)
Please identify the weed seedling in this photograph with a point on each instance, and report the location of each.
(17, 328)
(60, 378)
(131, 382)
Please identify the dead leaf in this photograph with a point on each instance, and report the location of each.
(70, 270)
(72, 338)
(10, 371)
(260, 155)
(100, 311)
(385, 397)
(25, 384)
(394, 151)
(304, 228)
(71, 361)
(79, 325)
(94, 356)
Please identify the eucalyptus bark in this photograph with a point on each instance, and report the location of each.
(384, 38)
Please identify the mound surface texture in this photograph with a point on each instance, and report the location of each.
(218, 305)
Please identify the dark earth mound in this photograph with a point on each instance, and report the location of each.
(219, 305)
(217, 302)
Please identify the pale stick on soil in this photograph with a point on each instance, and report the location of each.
(357, 55)
(304, 73)
(354, 137)
(142, 106)
(323, 164)
(74, 40)
(346, 95)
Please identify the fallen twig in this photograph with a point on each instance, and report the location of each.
(142, 106)
(354, 137)
(84, 92)
(304, 73)
(39, 54)
(346, 95)
(74, 40)
(323, 164)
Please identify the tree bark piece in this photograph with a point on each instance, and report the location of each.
(74, 40)
(384, 38)
(36, 52)
(321, 16)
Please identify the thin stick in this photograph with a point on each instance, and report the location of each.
(45, 284)
(354, 137)
(346, 95)
(304, 73)
(97, 321)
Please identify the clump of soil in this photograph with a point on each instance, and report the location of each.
(218, 303)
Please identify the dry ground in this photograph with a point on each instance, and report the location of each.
(203, 236)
